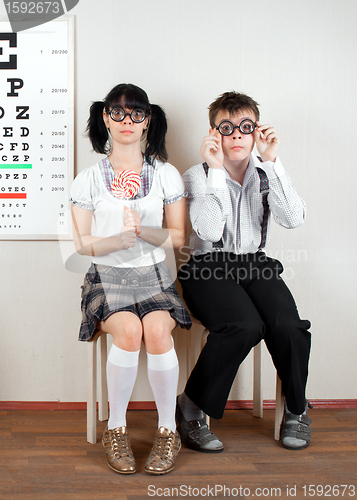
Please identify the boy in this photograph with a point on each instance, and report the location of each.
(229, 284)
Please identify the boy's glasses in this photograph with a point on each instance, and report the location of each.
(246, 127)
(118, 115)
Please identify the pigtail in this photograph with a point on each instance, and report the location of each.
(97, 131)
(156, 135)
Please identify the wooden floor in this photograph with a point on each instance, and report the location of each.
(44, 455)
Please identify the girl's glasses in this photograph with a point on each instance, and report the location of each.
(118, 115)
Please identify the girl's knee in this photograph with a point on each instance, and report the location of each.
(127, 335)
(157, 339)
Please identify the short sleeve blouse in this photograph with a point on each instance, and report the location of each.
(161, 184)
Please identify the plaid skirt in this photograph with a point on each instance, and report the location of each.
(140, 290)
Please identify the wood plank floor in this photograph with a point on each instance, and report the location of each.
(44, 455)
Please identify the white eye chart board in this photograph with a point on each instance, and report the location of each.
(36, 130)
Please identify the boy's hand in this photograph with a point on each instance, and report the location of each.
(268, 142)
(211, 149)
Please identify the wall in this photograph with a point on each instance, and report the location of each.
(297, 59)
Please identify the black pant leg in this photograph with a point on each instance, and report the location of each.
(215, 298)
(287, 337)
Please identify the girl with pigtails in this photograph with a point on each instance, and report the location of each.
(128, 291)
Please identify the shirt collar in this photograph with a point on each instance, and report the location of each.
(248, 173)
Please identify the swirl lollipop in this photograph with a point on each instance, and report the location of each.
(126, 184)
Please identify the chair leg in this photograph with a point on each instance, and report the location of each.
(205, 334)
(279, 408)
(191, 358)
(92, 393)
(257, 382)
(103, 391)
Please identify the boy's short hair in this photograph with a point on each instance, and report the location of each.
(233, 102)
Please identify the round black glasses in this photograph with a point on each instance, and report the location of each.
(246, 127)
(118, 115)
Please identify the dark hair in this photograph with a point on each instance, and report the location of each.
(132, 97)
(233, 102)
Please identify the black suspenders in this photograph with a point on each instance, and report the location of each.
(264, 189)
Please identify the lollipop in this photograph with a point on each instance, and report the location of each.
(126, 184)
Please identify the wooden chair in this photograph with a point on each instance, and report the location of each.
(97, 383)
(96, 365)
(257, 379)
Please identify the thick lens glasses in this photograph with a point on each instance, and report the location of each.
(246, 127)
(118, 115)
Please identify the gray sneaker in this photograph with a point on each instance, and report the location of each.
(196, 435)
(295, 431)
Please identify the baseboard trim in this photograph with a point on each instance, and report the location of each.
(269, 404)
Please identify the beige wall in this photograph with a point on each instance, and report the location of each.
(297, 59)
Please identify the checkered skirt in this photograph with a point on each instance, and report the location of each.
(140, 290)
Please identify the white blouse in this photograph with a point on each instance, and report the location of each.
(90, 191)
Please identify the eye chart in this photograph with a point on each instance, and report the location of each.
(36, 130)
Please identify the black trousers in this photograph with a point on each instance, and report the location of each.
(242, 299)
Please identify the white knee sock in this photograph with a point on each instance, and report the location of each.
(163, 370)
(122, 368)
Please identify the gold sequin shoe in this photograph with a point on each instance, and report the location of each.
(163, 454)
(118, 450)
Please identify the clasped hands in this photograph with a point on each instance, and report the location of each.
(131, 228)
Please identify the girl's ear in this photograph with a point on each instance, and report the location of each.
(146, 123)
(106, 118)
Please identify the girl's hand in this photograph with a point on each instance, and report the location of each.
(131, 217)
(127, 237)
(211, 149)
(268, 142)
